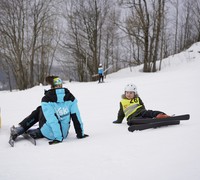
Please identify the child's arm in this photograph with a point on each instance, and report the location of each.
(120, 116)
(141, 102)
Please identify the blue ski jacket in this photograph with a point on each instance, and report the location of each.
(100, 70)
(59, 106)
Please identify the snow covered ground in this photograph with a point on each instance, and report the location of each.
(111, 152)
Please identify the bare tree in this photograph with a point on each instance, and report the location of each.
(12, 24)
(144, 25)
(110, 42)
(189, 27)
(194, 19)
(159, 16)
(26, 27)
(176, 26)
(86, 35)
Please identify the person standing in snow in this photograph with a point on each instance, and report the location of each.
(100, 73)
(57, 108)
(131, 106)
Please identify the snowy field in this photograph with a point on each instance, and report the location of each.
(111, 152)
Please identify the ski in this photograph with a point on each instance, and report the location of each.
(11, 142)
(152, 125)
(25, 136)
(152, 120)
(29, 138)
(13, 137)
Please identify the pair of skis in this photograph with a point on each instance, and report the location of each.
(142, 124)
(25, 136)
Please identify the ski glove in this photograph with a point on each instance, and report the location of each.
(54, 142)
(81, 137)
(117, 122)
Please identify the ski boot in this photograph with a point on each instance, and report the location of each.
(35, 133)
(14, 133)
(161, 115)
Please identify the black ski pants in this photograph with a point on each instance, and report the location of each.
(30, 120)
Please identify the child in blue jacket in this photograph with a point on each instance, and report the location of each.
(57, 108)
(101, 73)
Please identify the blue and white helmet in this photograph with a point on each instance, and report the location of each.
(131, 87)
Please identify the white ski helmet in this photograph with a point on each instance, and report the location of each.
(131, 87)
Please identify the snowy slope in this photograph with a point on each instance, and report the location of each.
(111, 152)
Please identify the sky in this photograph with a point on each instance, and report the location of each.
(111, 151)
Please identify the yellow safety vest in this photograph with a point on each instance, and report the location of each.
(130, 106)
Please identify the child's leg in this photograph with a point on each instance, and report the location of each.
(151, 113)
(25, 124)
(35, 133)
(99, 77)
(30, 120)
(102, 78)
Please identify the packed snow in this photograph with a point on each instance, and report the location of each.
(111, 151)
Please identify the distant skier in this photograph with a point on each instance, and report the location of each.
(131, 106)
(101, 73)
(58, 107)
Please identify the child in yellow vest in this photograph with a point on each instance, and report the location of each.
(131, 107)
